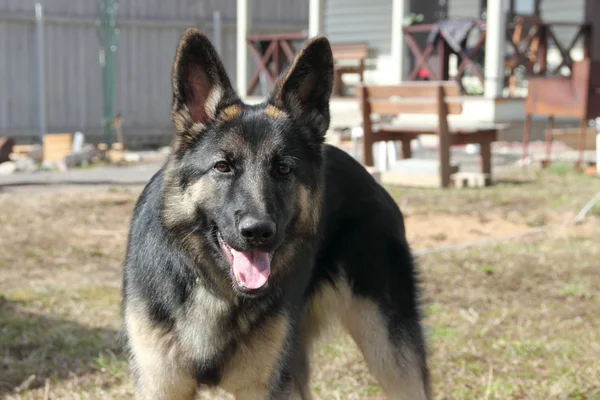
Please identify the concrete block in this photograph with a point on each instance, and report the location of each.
(470, 179)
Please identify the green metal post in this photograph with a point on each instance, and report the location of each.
(109, 34)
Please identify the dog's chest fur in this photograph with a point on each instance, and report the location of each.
(200, 324)
(209, 330)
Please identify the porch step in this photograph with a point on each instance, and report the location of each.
(415, 172)
(421, 181)
(420, 167)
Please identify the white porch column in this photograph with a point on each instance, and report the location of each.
(244, 19)
(495, 47)
(315, 17)
(400, 9)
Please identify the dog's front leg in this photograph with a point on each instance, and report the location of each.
(258, 368)
(159, 374)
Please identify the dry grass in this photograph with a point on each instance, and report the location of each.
(518, 320)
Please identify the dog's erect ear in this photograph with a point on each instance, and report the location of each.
(304, 90)
(201, 86)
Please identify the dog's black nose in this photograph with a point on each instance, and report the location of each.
(257, 231)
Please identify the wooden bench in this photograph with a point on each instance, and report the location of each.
(437, 98)
(351, 51)
(577, 96)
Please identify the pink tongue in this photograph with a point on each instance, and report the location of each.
(252, 268)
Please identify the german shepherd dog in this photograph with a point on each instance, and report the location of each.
(255, 236)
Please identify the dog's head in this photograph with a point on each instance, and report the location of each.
(245, 180)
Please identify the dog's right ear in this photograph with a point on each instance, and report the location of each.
(200, 83)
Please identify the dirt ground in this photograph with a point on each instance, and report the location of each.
(512, 320)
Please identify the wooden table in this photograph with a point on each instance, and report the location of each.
(348, 51)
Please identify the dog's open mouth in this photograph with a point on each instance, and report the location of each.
(251, 269)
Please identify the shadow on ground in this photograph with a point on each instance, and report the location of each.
(39, 347)
(513, 181)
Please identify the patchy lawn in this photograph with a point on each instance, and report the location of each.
(513, 320)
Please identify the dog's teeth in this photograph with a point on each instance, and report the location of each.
(239, 281)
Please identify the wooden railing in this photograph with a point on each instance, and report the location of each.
(271, 52)
(529, 39)
(423, 55)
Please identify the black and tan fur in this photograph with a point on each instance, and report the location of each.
(339, 248)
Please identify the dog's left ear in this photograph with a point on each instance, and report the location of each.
(201, 86)
(305, 89)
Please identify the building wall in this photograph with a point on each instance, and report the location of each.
(464, 8)
(551, 10)
(149, 30)
(352, 21)
(563, 11)
(360, 21)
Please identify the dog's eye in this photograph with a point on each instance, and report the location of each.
(283, 169)
(222, 167)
